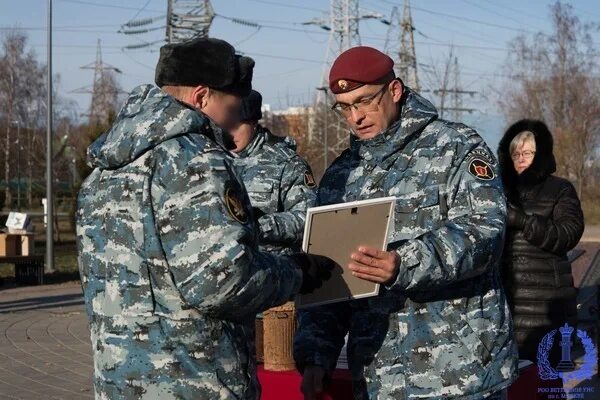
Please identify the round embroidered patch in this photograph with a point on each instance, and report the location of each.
(481, 169)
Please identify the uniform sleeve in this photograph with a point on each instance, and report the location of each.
(209, 242)
(562, 231)
(297, 193)
(468, 241)
(320, 335)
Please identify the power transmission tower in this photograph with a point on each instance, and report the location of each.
(187, 19)
(400, 45)
(407, 58)
(452, 92)
(343, 26)
(105, 89)
(392, 37)
(456, 92)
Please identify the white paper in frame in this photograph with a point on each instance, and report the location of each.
(336, 231)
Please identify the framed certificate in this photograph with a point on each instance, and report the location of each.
(336, 231)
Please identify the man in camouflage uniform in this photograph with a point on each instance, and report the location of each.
(440, 326)
(170, 268)
(279, 182)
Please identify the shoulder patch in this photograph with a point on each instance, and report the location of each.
(482, 154)
(309, 179)
(235, 205)
(481, 169)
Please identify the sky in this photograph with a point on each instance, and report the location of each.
(289, 54)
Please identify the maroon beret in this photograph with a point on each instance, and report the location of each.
(360, 66)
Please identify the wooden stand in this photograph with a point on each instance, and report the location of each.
(16, 244)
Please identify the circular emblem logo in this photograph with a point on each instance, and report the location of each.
(343, 84)
(566, 369)
(481, 169)
(235, 206)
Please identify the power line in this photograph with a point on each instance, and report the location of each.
(254, 23)
(247, 37)
(61, 27)
(503, 6)
(83, 46)
(466, 19)
(281, 57)
(479, 37)
(296, 70)
(138, 62)
(274, 3)
(66, 29)
(140, 10)
(443, 44)
(91, 3)
(496, 13)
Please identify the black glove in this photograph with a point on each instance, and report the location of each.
(516, 218)
(315, 270)
(257, 212)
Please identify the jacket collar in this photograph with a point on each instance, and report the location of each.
(256, 144)
(415, 114)
(148, 118)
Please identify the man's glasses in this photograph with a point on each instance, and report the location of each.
(527, 154)
(364, 105)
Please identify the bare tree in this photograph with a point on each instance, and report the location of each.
(554, 77)
(21, 79)
(22, 110)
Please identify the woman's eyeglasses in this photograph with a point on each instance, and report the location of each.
(527, 154)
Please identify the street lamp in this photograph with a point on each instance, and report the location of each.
(18, 163)
(49, 191)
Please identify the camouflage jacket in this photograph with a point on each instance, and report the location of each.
(171, 275)
(281, 185)
(442, 328)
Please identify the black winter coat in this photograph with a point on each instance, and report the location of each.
(536, 271)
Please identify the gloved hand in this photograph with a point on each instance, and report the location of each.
(257, 212)
(315, 270)
(312, 381)
(516, 217)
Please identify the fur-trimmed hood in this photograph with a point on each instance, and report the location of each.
(543, 163)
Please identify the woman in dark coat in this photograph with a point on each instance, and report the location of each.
(545, 221)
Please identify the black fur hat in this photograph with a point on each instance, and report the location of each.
(250, 109)
(543, 163)
(204, 61)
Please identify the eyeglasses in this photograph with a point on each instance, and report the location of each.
(363, 105)
(527, 154)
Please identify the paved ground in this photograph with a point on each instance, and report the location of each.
(45, 351)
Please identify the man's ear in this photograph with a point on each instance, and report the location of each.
(396, 88)
(199, 97)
